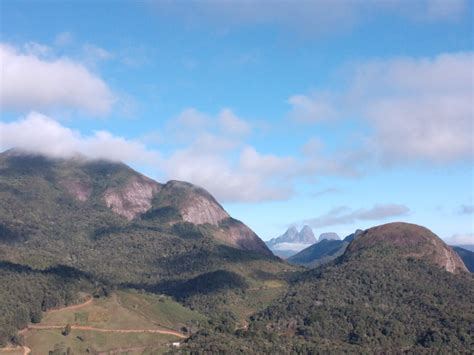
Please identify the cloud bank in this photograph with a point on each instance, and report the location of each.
(33, 81)
(416, 109)
(41, 134)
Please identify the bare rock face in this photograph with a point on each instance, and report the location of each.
(195, 204)
(132, 199)
(409, 240)
(202, 210)
(239, 235)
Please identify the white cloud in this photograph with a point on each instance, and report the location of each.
(192, 118)
(425, 103)
(290, 246)
(266, 164)
(416, 109)
(232, 124)
(31, 82)
(226, 181)
(461, 239)
(37, 49)
(312, 108)
(41, 134)
(212, 153)
(344, 215)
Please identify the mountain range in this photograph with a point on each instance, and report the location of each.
(78, 230)
(292, 241)
(328, 250)
(397, 288)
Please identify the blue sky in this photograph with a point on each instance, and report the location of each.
(341, 115)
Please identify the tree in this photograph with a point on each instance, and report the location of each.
(66, 330)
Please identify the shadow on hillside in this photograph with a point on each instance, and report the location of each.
(62, 271)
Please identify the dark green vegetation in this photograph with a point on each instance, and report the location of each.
(53, 215)
(374, 299)
(467, 257)
(25, 293)
(73, 226)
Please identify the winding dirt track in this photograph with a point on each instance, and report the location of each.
(106, 330)
(74, 306)
(27, 350)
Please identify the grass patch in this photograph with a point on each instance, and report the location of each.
(82, 342)
(123, 310)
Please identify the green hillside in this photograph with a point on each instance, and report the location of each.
(373, 300)
(54, 215)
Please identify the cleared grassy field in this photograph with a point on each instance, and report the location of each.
(83, 342)
(126, 322)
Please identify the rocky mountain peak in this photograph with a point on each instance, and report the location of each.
(132, 198)
(195, 204)
(408, 240)
(94, 184)
(306, 235)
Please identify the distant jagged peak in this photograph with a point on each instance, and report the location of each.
(304, 237)
(328, 236)
(407, 240)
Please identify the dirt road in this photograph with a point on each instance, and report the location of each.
(106, 330)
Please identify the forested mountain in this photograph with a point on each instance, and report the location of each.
(71, 227)
(327, 250)
(397, 289)
(113, 227)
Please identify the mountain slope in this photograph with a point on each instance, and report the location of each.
(323, 252)
(319, 253)
(377, 298)
(123, 229)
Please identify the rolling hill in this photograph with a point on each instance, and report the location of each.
(396, 289)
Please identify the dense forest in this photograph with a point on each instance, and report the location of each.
(26, 293)
(359, 306)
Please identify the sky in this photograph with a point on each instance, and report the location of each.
(336, 114)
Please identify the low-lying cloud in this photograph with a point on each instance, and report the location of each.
(461, 239)
(38, 133)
